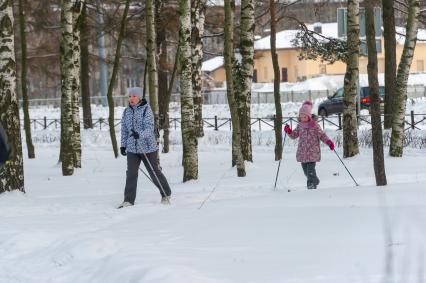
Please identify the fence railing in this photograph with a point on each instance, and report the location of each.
(259, 95)
(412, 121)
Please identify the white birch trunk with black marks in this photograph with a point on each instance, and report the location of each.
(12, 174)
(246, 71)
(189, 139)
(237, 156)
(398, 119)
(350, 125)
(67, 69)
(76, 85)
(198, 8)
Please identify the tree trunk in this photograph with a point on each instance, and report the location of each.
(277, 98)
(114, 78)
(67, 67)
(162, 59)
(24, 89)
(373, 82)
(350, 136)
(246, 71)
(85, 77)
(77, 7)
(151, 60)
(197, 19)
(166, 124)
(189, 140)
(397, 137)
(12, 174)
(103, 74)
(390, 59)
(229, 6)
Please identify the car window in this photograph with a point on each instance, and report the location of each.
(338, 94)
(365, 91)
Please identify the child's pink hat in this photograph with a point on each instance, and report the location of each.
(306, 108)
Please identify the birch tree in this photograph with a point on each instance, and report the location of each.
(277, 98)
(390, 59)
(12, 174)
(114, 78)
(398, 118)
(67, 67)
(373, 82)
(350, 136)
(151, 59)
(24, 89)
(246, 72)
(198, 8)
(237, 156)
(75, 73)
(189, 139)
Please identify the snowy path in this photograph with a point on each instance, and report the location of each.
(66, 229)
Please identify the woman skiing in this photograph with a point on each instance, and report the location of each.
(138, 143)
(308, 150)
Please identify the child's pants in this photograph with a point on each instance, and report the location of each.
(311, 174)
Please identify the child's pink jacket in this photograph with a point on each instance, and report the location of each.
(309, 135)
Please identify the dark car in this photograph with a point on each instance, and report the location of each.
(334, 104)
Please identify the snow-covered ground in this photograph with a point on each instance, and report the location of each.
(66, 229)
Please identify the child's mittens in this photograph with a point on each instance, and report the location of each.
(330, 144)
(287, 129)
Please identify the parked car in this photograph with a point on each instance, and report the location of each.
(334, 104)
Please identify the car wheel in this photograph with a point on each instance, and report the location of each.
(322, 112)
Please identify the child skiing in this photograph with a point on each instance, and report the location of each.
(308, 150)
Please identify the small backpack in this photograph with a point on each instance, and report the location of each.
(156, 131)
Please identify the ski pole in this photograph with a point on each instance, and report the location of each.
(346, 167)
(279, 164)
(146, 175)
(156, 177)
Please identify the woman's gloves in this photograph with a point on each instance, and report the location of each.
(123, 151)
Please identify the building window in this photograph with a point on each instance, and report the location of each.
(296, 73)
(284, 75)
(255, 76)
(323, 69)
(420, 66)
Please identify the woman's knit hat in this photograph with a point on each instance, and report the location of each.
(306, 108)
(135, 91)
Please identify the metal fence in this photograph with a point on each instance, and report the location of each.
(334, 122)
(219, 96)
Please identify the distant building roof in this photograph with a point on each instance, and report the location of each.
(285, 37)
(212, 64)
